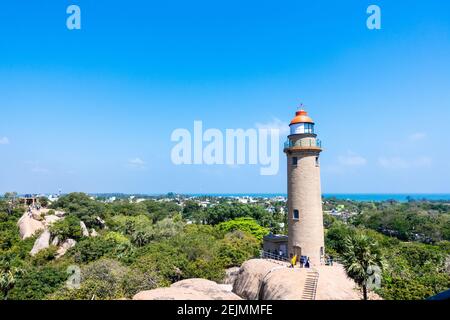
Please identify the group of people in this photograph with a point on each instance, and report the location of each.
(31, 207)
(304, 261)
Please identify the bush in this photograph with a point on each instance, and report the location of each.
(69, 227)
(238, 247)
(108, 279)
(45, 255)
(91, 249)
(245, 224)
(37, 282)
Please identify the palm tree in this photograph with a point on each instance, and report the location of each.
(8, 280)
(362, 260)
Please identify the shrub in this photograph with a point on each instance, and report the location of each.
(109, 279)
(245, 224)
(238, 247)
(69, 227)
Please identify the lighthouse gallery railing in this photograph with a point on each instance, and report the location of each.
(303, 143)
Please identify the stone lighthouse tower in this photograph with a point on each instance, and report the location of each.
(305, 219)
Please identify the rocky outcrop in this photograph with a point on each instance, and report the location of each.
(28, 226)
(84, 229)
(42, 242)
(190, 289)
(231, 275)
(55, 241)
(66, 245)
(266, 280)
(49, 220)
(250, 277)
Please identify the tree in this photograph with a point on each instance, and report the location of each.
(68, 227)
(248, 225)
(109, 279)
(361, 257)
(43, 201)
(8, 280)
(237, 247)
(81, 206)
(11, 198)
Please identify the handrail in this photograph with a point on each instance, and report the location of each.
(303, 143)
(273, 256)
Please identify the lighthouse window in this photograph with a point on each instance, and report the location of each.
(309, 128)
(317, 161)
(294, 161)
(295, 216)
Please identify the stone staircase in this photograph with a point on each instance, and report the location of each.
(309, 290)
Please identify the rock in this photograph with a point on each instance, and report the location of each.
(55, 241)
(210, 288)
(49, 220)
(93, 233)
(101, 221)
(42, 242)
(59, 214)
(84, 229)
(37, 215)
(266, 280)
(250, 277)
(66, 245)
(231, 275)
(28, 226)
(189, 289)
(171, 294)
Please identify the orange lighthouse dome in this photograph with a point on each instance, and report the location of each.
(301, 116)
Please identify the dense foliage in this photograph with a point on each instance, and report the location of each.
(147, 244)
(138, 246)
(412, 270)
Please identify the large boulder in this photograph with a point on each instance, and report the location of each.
(266, 280)
(59, 213)
(231, 275)
(189, 289)
(250, 277)
(28, 226)
(49, 220)
(66, 245)
(171, 294)
(84, 229)
(55, 241)
(42, 242)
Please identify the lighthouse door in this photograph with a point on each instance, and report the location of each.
(298, 252)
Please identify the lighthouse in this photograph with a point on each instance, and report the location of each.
(305, 218)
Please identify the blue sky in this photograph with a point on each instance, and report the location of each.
(93, 109)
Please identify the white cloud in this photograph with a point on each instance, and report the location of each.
(402, 163)
(137, 163)
(417, 136)
(4, 140)
(38, 169)
(277, 124)
(352, 159)
(35, 167)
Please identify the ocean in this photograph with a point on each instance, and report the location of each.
(376, 197)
